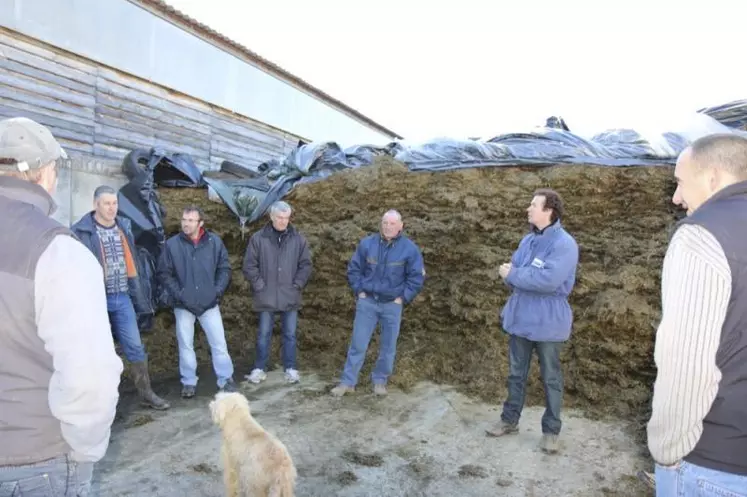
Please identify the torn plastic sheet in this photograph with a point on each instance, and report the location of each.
(166, 169)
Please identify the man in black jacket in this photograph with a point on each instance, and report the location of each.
(109, 237)
(277, 264)
(195, 272)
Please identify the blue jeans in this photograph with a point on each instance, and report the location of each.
(59, 477)
(519, 360)
(264, 336)
(123, 321)
(212, 324)
(688, 480)
(368, 313)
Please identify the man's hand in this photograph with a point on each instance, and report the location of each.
(504, 270)
(398, 300)
(362, 295)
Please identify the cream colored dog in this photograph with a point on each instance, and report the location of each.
(255, 463)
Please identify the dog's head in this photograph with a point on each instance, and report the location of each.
(226, 402)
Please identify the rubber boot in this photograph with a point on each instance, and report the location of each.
(142, 382)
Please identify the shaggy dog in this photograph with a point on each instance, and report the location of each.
(255, 463)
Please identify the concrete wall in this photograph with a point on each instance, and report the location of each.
(127, 37)
(77, 179)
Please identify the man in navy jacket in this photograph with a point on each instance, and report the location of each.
(385, 273)
(109, 237)
(537, 316)
(195, 271)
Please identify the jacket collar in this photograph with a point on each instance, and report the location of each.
(87, 223)
(549, 230)
(269, 231)
(27, 192)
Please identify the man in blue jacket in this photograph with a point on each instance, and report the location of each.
(195, 272)
(109, 237)
(385, 273)
(537, 316)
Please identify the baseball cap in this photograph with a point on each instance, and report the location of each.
(28, 143)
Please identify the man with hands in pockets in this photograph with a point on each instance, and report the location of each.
(386, 272)
(195, 271)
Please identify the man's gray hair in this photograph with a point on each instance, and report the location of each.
(724, 151)
(280, 206)
(394, 213)
(103, 190)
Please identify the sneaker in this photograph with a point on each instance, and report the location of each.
(256, 376)
(292, 376)
(188, 391)
(341, 390)
(379, 389)
(229, 386)
(502, 429)
(549, 443)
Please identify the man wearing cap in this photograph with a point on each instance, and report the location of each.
(59, 372)
(109, 237)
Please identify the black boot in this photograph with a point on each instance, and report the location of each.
(142, 382)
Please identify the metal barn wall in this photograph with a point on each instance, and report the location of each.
(128, 37)
(104, 113)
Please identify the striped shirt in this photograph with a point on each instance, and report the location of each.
(695, 288)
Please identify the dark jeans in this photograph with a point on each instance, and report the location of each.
(123, 321)
(519, 359)
(264, 335)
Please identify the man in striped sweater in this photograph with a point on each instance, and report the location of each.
(697, 433)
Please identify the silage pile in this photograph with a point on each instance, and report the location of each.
(467, 222)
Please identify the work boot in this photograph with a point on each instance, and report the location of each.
(341, 390)
(503, 428)
(188, 391)
(549, 443)
(142, 381)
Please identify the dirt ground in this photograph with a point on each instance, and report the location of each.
(427, 442)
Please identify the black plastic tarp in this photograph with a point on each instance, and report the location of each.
(250, 198)
(166, 169)
(552, 143)
(138, 202)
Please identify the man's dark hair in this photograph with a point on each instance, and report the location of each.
(194, 208)
(553, 201)
(103, 190)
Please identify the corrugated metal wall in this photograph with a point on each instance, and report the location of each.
(100, 112)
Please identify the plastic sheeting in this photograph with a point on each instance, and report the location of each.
(732, 114)
(174, 170)
(138, 202)
(550, 144)
(250, 198)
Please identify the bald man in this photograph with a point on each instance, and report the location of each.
(697, 433)
(385, 273)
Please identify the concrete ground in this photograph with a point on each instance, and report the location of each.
(428, 442)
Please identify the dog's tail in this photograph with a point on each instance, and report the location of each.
(284, 484)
